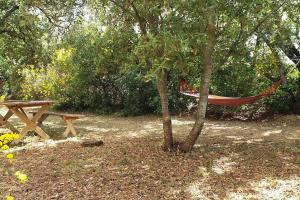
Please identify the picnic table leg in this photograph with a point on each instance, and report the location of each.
(31, 125)
(42, 133)
(41, 119)
(40, 113)
(70, 127)
(24, 131)
(4, 122)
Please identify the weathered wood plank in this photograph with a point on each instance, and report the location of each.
(30, 124)
(67, 115)
(4, 122)
(21, 104)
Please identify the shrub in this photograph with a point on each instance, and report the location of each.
(5, 141)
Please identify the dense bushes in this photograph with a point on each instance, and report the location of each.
(128, 94)
(101, 71)
(99, 74)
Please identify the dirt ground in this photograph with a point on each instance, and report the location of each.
(232, 160)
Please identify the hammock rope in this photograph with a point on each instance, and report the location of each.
(188, 90)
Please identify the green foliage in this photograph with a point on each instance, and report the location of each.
(282, 101)
(34, 83)
(4, 75)
(139, 96)
(111, 61)
(96, 71)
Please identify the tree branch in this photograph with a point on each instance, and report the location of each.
(3, 31)
(139, 19)
(258, 25)
(123, 8)
(8, 14)
(13, 34)
(47, 16)
(236, 42)
(279, 65)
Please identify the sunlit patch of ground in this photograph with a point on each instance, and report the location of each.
(222, 165)
(33, 142)
(181, 122)
(271, 189)
(232, 160)
(200, 190)
(269, 133)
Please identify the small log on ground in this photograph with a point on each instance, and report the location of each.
(92, 143)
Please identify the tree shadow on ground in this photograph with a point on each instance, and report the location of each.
(239, 168)
(230, 160)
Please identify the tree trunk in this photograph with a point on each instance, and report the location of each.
(166, 118)
(191, 139)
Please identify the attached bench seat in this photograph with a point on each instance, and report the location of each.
(67, 117)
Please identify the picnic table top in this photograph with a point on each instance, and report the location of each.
(21, 103)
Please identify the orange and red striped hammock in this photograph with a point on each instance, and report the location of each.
(231, 101)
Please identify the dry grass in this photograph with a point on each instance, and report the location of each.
(233, 160)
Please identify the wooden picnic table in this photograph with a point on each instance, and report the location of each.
(17, 107)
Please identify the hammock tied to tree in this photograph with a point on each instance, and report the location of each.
(188, 90)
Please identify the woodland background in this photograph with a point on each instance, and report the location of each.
(92, 55)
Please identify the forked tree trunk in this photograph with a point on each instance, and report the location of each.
(166, 118)
(191, 139)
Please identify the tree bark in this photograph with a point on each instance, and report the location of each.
(191, 139)
(162, 81)
(166, 118)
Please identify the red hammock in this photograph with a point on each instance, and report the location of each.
(231, 101)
